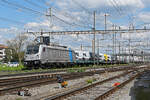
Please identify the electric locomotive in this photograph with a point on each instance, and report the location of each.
(44, 55)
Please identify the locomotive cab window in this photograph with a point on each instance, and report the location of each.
(32, 49)
(84, 54)
(77, 54)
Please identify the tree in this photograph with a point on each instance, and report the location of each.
(17, 45)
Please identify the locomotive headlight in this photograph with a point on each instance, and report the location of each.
(25, 63)
(36, 62)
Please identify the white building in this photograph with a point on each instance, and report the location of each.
(2, 51)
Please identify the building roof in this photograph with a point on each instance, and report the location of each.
(3, 46)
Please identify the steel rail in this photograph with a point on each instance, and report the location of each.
(11, 81)
(111, 91)
(79, 90)
(47, 72)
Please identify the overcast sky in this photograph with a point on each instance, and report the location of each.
(19, 15)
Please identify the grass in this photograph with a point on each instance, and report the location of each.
(73, 70)
(4, 69)
(81, 70)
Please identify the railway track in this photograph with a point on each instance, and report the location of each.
(15, 84)
(10, 81)
(98, 90)
(31, 73)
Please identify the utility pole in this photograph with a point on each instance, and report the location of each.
(113, 39)
(119, 51)
(41, 37)
(81, 47)
(98, 49)
(122, 52)
(98, 46)
(115, 27)
(130, 45)
(49, 14)
(106, 21)
(94, 26)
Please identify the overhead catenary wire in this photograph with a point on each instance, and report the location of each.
(35, 4)
(76, 24)
(65, 14)
(16, 8)
(41, 13)
(30, 8)
(52, 7)
(22, 7)
(130, 17)
(131, 11)
(12, 21)
(72, 24)
(115, 7)
(118, 6)
(119, 10)
(82, 7)
(42, 1)
(122, 11)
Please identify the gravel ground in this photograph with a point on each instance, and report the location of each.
(51, 88)
(123, 94)
(92, 93)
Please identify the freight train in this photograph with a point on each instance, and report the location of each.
(44, 54)
(41, 55)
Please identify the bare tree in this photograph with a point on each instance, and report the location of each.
(17, 45)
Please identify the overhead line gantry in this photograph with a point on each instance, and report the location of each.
(91, 32)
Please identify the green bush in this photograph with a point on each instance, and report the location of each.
(90, 81)
(8, 68)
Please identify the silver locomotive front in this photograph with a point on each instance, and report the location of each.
(32, 55)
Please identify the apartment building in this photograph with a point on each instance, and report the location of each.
(2, 51)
